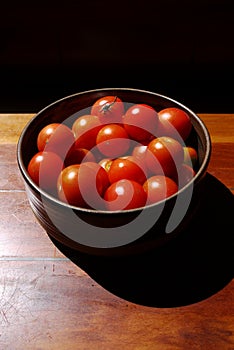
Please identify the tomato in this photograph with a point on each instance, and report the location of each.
(83, 185)
(85, 129)
(68, 186)
(159, 187)
(77, 155)
(185, 175)
(140, 122)
(164, 155)
(56, 138)
(190, 156)
(102, 180)
(139, 151)
(125, 194)
(113, 141)
(174, 122)
(127, 168)
(44, 169)
(109, 109)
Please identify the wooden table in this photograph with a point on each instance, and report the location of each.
(180, 297)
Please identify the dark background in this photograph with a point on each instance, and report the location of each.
(182, 49)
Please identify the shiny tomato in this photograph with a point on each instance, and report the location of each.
(125, 194)
(55, 137)
(174, 122)
(85, 129)
(68, 186)
(44, 169)
(159, 187)
(78, 155)
(140, 122)
(129, 167)
(190, 156)
(83, 185)
(109, 109)
(113, 141)
(102, 180)
(164, 155)
(139, 151)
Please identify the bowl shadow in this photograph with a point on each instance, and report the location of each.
(190, 268)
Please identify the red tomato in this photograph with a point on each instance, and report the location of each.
(44, 169)
(127, 168)
(109, 109)
(159, 187)
(113, 141)
(140, 122)
(83, 185)
(139, 151)
(85, 129)
(78, 155)
(190, 156)
(185, 175)
(174, 122)
(56, 138)
(125, 194)
(102, 180)
(68, 186)
(164, 155)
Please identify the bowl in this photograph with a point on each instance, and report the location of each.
(111, 233)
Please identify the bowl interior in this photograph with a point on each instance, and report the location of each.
(67, 110)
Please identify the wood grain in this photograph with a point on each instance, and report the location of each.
(54, 305)
(220, 126)
(49, 302)
(12, 125)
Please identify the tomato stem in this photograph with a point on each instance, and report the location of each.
(107, 106)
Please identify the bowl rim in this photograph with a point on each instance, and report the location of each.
(195, 179)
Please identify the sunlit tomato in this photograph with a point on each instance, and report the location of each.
(56, 138)
(140, 122)
(83, 185)
(164, 155)
(159, 187)
(113, 141)
(68, 186)
(102, 179)
(129, 168)
(190, 156)
(125, 194)
(44, 169)
(109, 109)
(77, 155)
(185, 175)
(85, 129)
(139, 151)
(174, 122)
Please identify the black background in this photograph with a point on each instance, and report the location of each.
(182, 49)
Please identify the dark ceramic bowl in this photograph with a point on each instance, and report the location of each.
(107, 232)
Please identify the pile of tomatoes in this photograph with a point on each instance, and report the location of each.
(119, 156)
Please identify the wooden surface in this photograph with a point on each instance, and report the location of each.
(180, 299)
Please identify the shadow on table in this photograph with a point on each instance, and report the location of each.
(191, 268)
